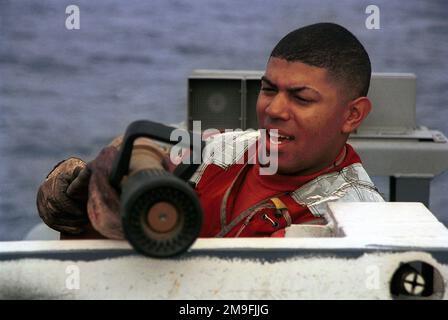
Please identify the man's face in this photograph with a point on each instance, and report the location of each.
(305, 106)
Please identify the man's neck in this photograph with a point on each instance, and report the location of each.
(323, 168)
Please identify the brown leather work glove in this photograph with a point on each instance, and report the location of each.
(103, 206)
(62, 197)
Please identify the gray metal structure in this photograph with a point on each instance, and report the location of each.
(389, 142)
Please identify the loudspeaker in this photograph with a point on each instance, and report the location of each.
(216, 103)
(223, 99)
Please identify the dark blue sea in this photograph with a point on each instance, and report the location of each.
(65, 93)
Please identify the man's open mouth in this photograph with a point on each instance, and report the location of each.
(277, 138)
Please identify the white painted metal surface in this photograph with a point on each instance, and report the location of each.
(370, 243)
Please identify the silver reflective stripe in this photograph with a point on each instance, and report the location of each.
(223, 208)
(248, 213)
(196, 177)
(228, 148)
(224, 150)
(351, 184)
(287, 217)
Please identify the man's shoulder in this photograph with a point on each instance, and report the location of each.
(350, 184)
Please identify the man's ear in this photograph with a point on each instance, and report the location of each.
(357, 110)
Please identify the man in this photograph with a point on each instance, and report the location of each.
(313, 95)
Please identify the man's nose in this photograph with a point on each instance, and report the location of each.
(278, 107)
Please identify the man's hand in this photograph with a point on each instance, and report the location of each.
(75, 193)
(62, 197)
(103, 206)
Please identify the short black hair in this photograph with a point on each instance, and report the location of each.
(332, 47)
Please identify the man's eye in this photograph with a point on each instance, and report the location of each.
(303, 100)
(267, 89)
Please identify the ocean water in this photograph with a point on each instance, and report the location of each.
(67, 93)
